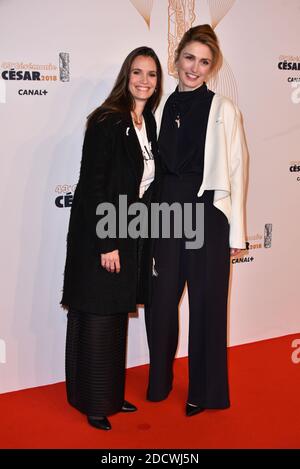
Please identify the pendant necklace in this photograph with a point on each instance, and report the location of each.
(135, 119)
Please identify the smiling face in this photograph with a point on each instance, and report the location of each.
(143, 78)
(194, 65)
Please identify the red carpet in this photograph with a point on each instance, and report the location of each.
(264, 413)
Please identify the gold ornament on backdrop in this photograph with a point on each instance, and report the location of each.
(144, 7)
(224, 82)
(181, 14)
(218, 9)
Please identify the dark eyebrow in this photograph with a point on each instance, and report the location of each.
(202, 58)
(139, 69)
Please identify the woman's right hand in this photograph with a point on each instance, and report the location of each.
(111, 261)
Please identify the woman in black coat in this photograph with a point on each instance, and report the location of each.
(101, 280)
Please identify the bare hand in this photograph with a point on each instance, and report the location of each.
(235, 251)
(111, 261)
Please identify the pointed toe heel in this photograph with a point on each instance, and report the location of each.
(102, 423)
(128, 407)
(193, 409)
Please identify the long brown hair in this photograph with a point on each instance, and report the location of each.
(205, 34)
(120, 99)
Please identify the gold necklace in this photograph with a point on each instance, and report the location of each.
(135, 119)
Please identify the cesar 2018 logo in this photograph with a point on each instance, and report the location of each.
(33, 73)
(294, 168)
(65, 197)
(257, 241)
(290, 63)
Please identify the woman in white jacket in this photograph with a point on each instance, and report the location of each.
(203, 154)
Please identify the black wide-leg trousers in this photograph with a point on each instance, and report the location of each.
(206, 271)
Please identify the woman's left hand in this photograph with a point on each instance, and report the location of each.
(111, 261)
(235, 251)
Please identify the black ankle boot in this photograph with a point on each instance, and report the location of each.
(102, 423)
(193, 409)
(127, 407)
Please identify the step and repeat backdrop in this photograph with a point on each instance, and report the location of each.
(58, 61)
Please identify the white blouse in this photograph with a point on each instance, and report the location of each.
(149, 164)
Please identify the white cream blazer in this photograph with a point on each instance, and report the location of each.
(225, 163)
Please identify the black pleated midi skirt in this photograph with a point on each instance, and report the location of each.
(95, 362)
